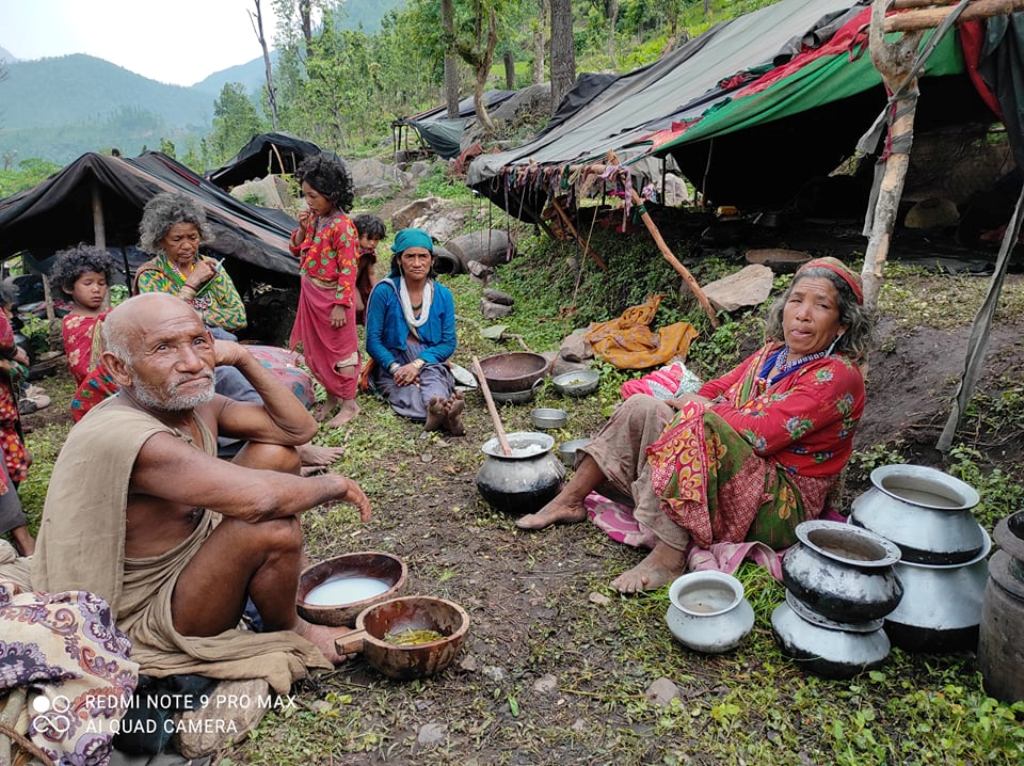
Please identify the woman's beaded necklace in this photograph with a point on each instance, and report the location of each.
(779, 364)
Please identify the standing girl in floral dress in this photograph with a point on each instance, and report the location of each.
(326, 244)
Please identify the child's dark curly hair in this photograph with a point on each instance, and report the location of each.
(329, 176)
(369, 226)
(76, 261)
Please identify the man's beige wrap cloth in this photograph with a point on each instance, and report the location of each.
(81, 547)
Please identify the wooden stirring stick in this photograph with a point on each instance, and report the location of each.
(495, 417)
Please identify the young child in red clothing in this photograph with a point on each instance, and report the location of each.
(371, 231)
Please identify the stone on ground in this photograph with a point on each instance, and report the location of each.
(431, 734)
(489, 246)
(492, 310)
(661, 692)
(750, 286)
(778, 259)
(373, 178)
(494, 673)
(497, 296)
(271, 191)
(403, 217)
(575, 347)
(546, 684)
(599, 598)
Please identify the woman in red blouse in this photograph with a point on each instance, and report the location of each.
(327, 246)
(754, 452)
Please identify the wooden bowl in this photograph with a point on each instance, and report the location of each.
(382, 566)
(408, 613)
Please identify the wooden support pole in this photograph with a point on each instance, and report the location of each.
(576, 235)
(894, 62)
(902, 5)
(663, 248)
(929, 18)
(99, 232)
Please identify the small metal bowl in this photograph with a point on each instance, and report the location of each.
(579, 383)
(567, 450)
(548, 418)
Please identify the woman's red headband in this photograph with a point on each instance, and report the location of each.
(840, 271)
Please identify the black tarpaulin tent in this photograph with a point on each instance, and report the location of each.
(265, 154)
(59, 212)
(441, 134)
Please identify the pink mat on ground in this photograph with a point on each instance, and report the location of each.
(617, 521)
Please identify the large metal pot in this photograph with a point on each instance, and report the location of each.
(926, 512)
(941, 606)
(513, 372)
(842, 572)
(828, 652)
(522, 483)
(708, 612)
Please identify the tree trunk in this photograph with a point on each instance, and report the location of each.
(707, 7)
(510, 70)
(539, 42)
(268, 70)
(611, 8)
(306, 16)
(451, 68)
(894, 62)
(483, 71)
(563, 52)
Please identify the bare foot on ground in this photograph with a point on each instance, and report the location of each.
(323, 638)
(349, 409)
(662, 566)
(437, 414)
(453, 423)
(312, 455)
(558, 511)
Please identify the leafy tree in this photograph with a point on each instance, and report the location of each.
(167, 147)
(235, 121)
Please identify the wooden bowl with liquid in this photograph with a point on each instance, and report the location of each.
(353, 580)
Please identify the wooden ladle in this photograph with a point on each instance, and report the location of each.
(495, 417)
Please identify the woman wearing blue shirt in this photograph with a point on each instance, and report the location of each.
(410, 334)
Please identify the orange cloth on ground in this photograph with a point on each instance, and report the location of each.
(628, 342)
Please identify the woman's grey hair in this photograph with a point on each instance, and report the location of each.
(165, 210)
(856, 341)
(8, 293)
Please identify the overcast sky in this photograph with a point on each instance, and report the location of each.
(173, 41)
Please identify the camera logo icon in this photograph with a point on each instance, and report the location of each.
(52, 715)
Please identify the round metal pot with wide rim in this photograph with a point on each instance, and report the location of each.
(926, 512)
(524, 482)
(513, 372)
(842, 572)
(708, 612)
(826, 651)
(941, 606)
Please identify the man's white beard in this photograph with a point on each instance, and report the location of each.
(150, 397)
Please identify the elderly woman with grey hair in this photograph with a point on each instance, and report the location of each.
(173, 227)
(14, 457)
(754, 452)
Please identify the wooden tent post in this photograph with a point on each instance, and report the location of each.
(576, 235)
(666, 251)
(894, 62)
(99, 236)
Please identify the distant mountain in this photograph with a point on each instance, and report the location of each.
(58, 108)
(251, 75)
(6, 55)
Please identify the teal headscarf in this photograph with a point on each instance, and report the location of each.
(407, 238)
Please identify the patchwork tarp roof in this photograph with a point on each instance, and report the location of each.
(57, 213)
(679, 86)
(749, 111)
(266, 153)
(443, 135)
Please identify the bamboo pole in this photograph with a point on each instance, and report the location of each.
(99, 229)
(929, 18)
(894, 62)
(576, 235)
(663, 248)
(901, 5)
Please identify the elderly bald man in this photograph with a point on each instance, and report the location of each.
(140, 510)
